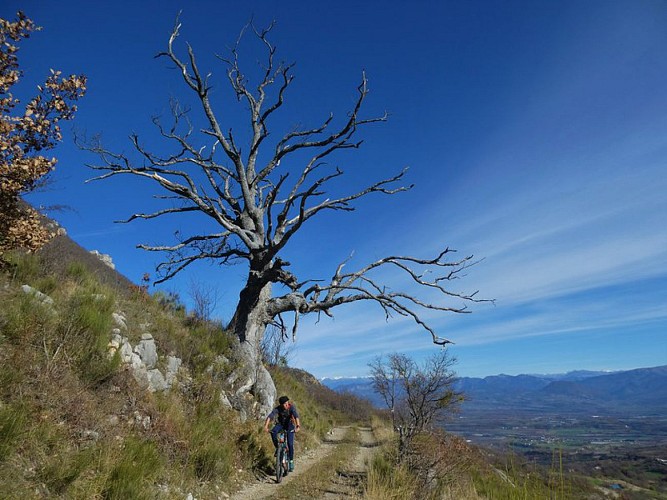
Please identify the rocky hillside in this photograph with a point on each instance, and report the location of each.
(109, 392)
(97, 376)
(62, 251)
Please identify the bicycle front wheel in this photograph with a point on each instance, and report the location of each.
(279, 464)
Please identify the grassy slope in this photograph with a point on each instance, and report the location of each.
(74, 423)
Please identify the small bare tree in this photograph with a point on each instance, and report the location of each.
(276, 346)
(419, 397)
(255, 204)
(204, 299)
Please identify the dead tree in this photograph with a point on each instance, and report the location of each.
(419, 397)
(256, 208)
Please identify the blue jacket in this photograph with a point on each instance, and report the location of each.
(285, 418)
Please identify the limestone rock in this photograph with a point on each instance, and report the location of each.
(119, 320)
(104, 258)
(173, 365)
(41, 297)
(142, 361)
(147, 350)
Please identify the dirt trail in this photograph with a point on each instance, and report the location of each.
(350, 483)
(345, 485)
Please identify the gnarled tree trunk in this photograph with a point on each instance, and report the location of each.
(253, 390)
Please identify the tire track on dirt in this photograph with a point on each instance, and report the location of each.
(349, 483)
(266, 486)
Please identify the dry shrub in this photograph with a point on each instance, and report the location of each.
(387, 481)
(24, 134)
(438, 457)
(435, 466)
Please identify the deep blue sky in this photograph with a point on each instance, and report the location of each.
(535, 133)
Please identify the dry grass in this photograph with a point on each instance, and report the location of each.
(75, 424)
(382, 430)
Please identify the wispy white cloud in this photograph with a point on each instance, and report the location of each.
(97, 233)
(560, 259)
(558, 321)
(596, 226)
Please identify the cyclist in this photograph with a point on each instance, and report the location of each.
(287, 418)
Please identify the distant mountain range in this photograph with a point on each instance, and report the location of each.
(643, 390)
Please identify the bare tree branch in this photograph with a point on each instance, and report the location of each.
(256, 208)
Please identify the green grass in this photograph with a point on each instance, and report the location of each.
(13, 420)
(132, 475)
(84, 332)
(59, 386)
(24, 267)
(211, 457)
(75, 424)
(60, 472)
(514, 480)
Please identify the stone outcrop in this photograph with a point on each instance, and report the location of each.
(142, 358)
(106, 258)
(43, 298)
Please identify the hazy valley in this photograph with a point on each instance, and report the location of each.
(596, 423)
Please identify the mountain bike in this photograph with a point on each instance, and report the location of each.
(282, 457)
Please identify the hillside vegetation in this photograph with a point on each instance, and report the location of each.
(76, 421)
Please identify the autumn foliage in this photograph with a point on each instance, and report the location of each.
(25, 134)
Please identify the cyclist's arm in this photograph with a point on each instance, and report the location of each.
(268, 420)
(295, 414)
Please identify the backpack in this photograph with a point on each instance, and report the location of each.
(284, 416)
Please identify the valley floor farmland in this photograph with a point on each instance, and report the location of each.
(525, 429)
(610, 449)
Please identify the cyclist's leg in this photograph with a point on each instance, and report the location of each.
(290, 444)
(274, 434)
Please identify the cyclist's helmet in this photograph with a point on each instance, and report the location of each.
(283, 399)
